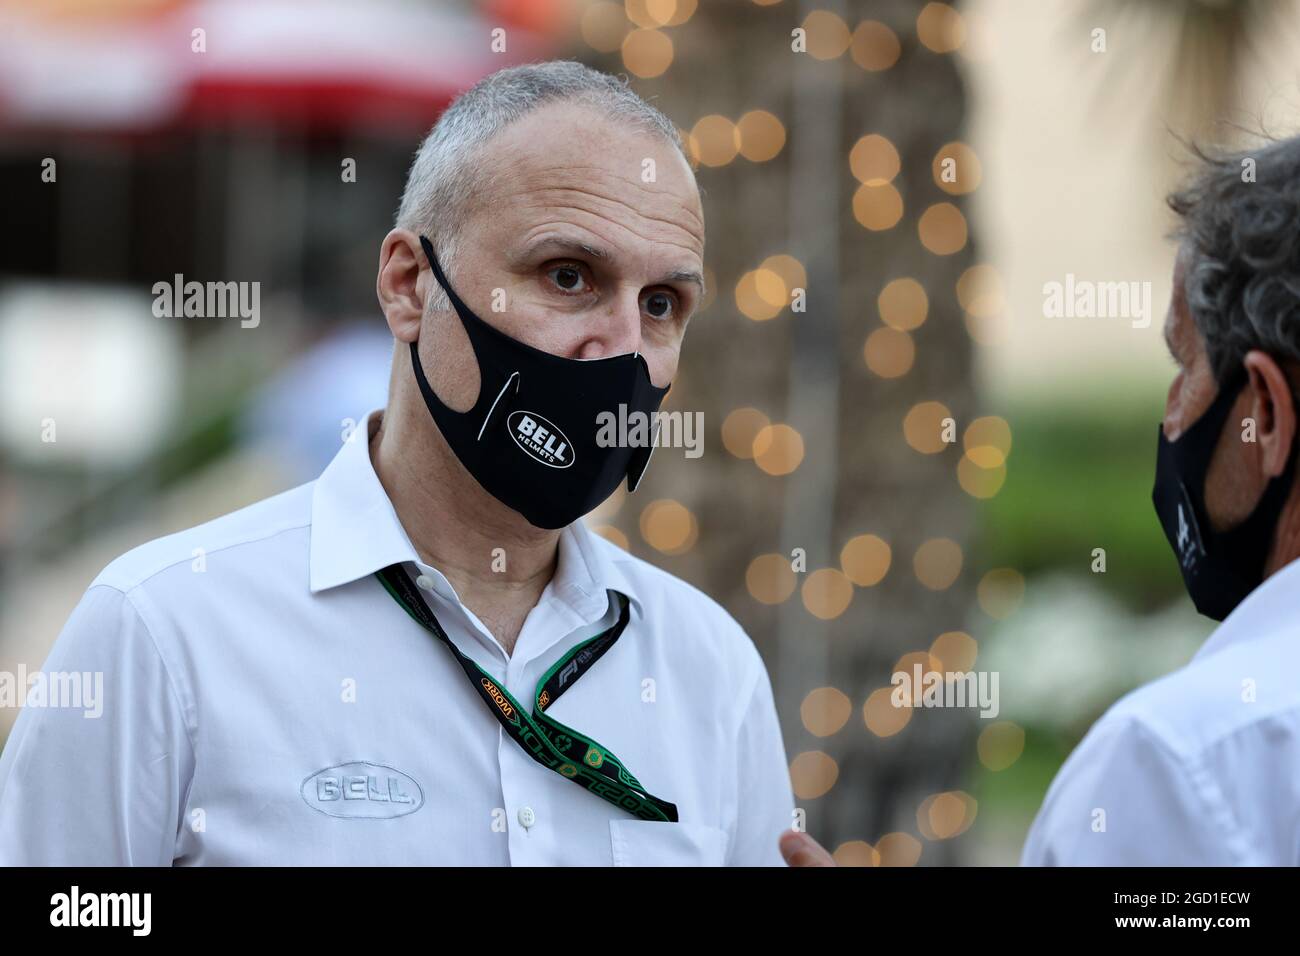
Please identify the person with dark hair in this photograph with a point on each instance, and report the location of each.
(1200, 767)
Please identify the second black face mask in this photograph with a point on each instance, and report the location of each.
(531, 438)
(1219, 567)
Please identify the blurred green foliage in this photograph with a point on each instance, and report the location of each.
(1017, 792)
(1079, 477)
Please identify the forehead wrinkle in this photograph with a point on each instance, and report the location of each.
(542, 175)
(600, 207)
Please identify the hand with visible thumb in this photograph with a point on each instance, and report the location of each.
(799, 849)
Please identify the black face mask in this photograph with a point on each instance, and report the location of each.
(530, 439)
(1219, 567)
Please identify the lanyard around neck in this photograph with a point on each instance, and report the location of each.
(549, 742)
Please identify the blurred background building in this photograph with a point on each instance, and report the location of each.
(906, 462)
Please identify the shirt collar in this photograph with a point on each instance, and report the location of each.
(354, 529)
(1264, 610)
(355, 532)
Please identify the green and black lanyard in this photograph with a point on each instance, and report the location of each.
(547, 741)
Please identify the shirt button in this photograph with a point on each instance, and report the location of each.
(425, 582)
(526, 817)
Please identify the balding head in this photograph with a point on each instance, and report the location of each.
(454, 170)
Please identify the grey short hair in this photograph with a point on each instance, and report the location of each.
(447, 175)
(1242, 279)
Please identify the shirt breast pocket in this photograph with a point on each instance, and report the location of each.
(656, 843)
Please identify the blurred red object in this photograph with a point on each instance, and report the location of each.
(312, 62)
(548, 18)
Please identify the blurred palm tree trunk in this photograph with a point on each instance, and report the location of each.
(807, 370)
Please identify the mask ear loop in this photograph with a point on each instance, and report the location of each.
(462, 310)
(514, 377)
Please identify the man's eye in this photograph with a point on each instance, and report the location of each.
(659, 305)
(568, 278)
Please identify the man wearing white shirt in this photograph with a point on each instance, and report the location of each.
(424, 657)
(1202, 767)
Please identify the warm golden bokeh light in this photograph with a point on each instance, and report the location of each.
(923, 427)
(942, 229)
(865, 560)
(770, 287)
(1000, 745)
(778, 449)
(812, 774)
(715, 139)
(946, 815)
(980, 482)
(825, 711)
(638, 11)
(874, 160)
(903, 304)
(603, 26)
(955, 651)
(827, 593)
(881, 716)
(979, 290)
(856, 853)
(828, 35)
(940, 28)
(937, 563)
(647, 53)
(790, 269)
(874, 46)
(889, 353)
(957, 169)
(740, 428)
(770, 579)
(899, 849)
(877, 207)
(987, 441)
(754, 292)
(762, 136)
(660, 13)
(983, 468)
(1000, 592)
(668, 526)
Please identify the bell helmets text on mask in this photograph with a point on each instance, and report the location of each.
(1219, 567)
(530, 439)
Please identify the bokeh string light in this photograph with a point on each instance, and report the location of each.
(637, 30)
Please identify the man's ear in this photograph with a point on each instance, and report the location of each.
(398, 284)
(1273, 409)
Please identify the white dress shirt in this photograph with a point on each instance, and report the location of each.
(1201, 767)
(266, 701)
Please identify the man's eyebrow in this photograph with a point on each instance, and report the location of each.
(562, 244)
(687, 275)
